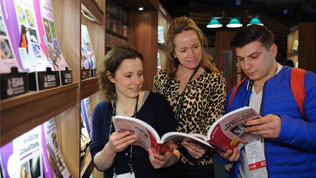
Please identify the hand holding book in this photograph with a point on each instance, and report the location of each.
(121, 139)
(226, 133)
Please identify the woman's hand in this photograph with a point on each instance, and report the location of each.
(230, 155)
(163, 159)
(195, 149)
(119, 141)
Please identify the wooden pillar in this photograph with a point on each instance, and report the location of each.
(307, 46)
(142, 35)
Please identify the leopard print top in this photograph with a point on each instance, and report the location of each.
(203, 103)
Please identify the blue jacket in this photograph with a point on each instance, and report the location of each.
(293, 152)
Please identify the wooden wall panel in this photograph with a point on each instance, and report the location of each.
(142, 35)
(67, 22)
(307, 46)
(222, 42)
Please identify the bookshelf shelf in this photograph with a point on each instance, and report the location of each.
(88, 87)
(22, 113)
(93, 10)
(86, 165)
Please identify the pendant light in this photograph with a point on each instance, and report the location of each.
(255, 20)
(214, 23)
(234, 23)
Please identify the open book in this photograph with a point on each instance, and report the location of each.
(226, 133)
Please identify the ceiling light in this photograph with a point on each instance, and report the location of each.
(255, 21)
(214, 23)
(141, 8)
(234, 23)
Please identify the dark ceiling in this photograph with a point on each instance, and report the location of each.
(287, 12)
(280, 16)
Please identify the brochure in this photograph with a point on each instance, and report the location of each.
(226, 133)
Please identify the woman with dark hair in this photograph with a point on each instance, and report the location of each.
(195, 90)
(121, 79)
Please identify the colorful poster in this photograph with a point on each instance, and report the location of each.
(24, 156)
(88, 49)
(54, 155)
(20, 19)
(86, 115)
(45, 18)
(7, 57)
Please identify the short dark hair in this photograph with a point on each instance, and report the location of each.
(111, 63)
(253, 33)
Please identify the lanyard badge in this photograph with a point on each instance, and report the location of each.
(255, 155)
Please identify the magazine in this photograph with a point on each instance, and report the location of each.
(86, 115)
(226, 133)
(22, 25)
(7, 57)
(87, 52)
(23, 157)
(49, 43)
(53, 152)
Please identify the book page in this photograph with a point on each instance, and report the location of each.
(147, 136)
(179, 137)
(229, 131)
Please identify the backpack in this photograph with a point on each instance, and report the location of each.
(297, 87)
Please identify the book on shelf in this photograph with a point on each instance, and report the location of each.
(34, 154)
(23, 28)
(7, 56)
(87, 52)
(24, 156)
(53, 150)
(225, 133)
(294, 46)
(49, 43)
(86, 115)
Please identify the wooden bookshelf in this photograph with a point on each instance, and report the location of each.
(88, 87)
(93, 10)
(22, 113)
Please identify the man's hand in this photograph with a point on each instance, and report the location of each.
(268, 126)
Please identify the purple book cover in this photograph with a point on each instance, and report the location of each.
(25, 156)
(7, 57)
(22, 26)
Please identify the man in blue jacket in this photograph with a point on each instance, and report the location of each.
(287, 144)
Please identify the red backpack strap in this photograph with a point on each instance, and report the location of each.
(234, 92)
(298, 87)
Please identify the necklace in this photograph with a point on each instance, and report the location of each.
(125, 112)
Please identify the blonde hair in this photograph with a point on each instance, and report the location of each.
(177, 26)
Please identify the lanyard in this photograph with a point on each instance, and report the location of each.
(249, 91)
(130, 161)
(249, 88)
(182, 94)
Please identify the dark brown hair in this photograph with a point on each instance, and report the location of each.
(111, 63)
(253, 33)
